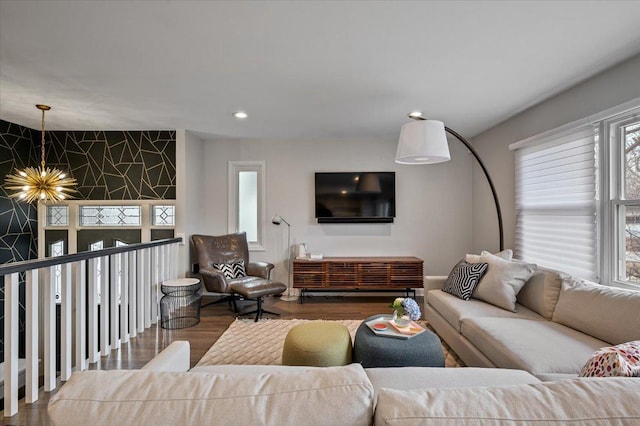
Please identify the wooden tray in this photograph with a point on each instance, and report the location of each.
(392, 329)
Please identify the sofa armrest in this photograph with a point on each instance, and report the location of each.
(434, 282)
(175, 357)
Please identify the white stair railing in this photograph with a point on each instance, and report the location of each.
(129, 281)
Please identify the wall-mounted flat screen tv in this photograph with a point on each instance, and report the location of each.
(355, 197)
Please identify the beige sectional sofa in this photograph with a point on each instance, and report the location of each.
(165, 393)
(559, 322)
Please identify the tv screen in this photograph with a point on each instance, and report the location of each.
(355, 197)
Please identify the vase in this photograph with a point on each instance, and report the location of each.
(401, 320)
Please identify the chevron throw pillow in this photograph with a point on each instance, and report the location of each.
(231, 270)
(464, 278)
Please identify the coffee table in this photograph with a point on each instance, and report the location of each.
(422, 350)
(180, 305)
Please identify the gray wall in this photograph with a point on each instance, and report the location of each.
(433, 203)
(612, 87)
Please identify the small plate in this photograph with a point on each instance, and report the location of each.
(380, 326)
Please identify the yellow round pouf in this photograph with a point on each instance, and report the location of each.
(318, 344)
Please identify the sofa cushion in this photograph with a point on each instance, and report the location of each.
(607, 313)
(119, 397)
(540, 292)
(463, 279)
(454, 310)
(576, 402)
(538, 347)
(503, 281)
(407, 378)
(620, 360)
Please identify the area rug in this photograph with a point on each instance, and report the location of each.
(246, 342)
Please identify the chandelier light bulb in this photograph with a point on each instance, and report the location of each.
(43, 173)
(62, 175)
(42, 195)
(21, 173)
(23, 195)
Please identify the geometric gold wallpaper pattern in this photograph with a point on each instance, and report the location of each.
(18, 221)
(117, 165)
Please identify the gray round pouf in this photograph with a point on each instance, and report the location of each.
(423, 350)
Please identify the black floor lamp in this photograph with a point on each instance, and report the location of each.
(425, 142)
(277, 220)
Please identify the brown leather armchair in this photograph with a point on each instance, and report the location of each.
(229, 249)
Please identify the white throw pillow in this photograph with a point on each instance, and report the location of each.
(502, 281)
(506, 254)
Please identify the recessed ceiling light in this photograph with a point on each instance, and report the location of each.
(240, 115)
(415, 114)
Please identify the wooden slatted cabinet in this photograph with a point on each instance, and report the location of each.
(358, 273)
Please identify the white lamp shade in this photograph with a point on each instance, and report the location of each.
(423, 142)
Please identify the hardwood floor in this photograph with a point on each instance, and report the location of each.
(214, 320)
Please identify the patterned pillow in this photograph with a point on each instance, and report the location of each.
(231, 270)
(464, 278)
(620, 360)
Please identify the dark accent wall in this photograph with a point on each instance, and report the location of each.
(18, 221)
(139, 165)
(114, 165)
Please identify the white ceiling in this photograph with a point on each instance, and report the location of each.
(302, 70)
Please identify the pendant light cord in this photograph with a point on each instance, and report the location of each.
(42, 146)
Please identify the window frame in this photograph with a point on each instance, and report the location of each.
(102, 206)
(235, 167)
(614, 204)
(146, 226)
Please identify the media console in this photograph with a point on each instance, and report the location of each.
(358, 274)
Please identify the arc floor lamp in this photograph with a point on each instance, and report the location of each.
(425, 142)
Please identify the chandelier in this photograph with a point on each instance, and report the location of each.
(42, 183)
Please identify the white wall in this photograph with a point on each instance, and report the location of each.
(433, 203)
(612, 87)
(190, 188)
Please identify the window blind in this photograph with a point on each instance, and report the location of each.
(556, 225)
